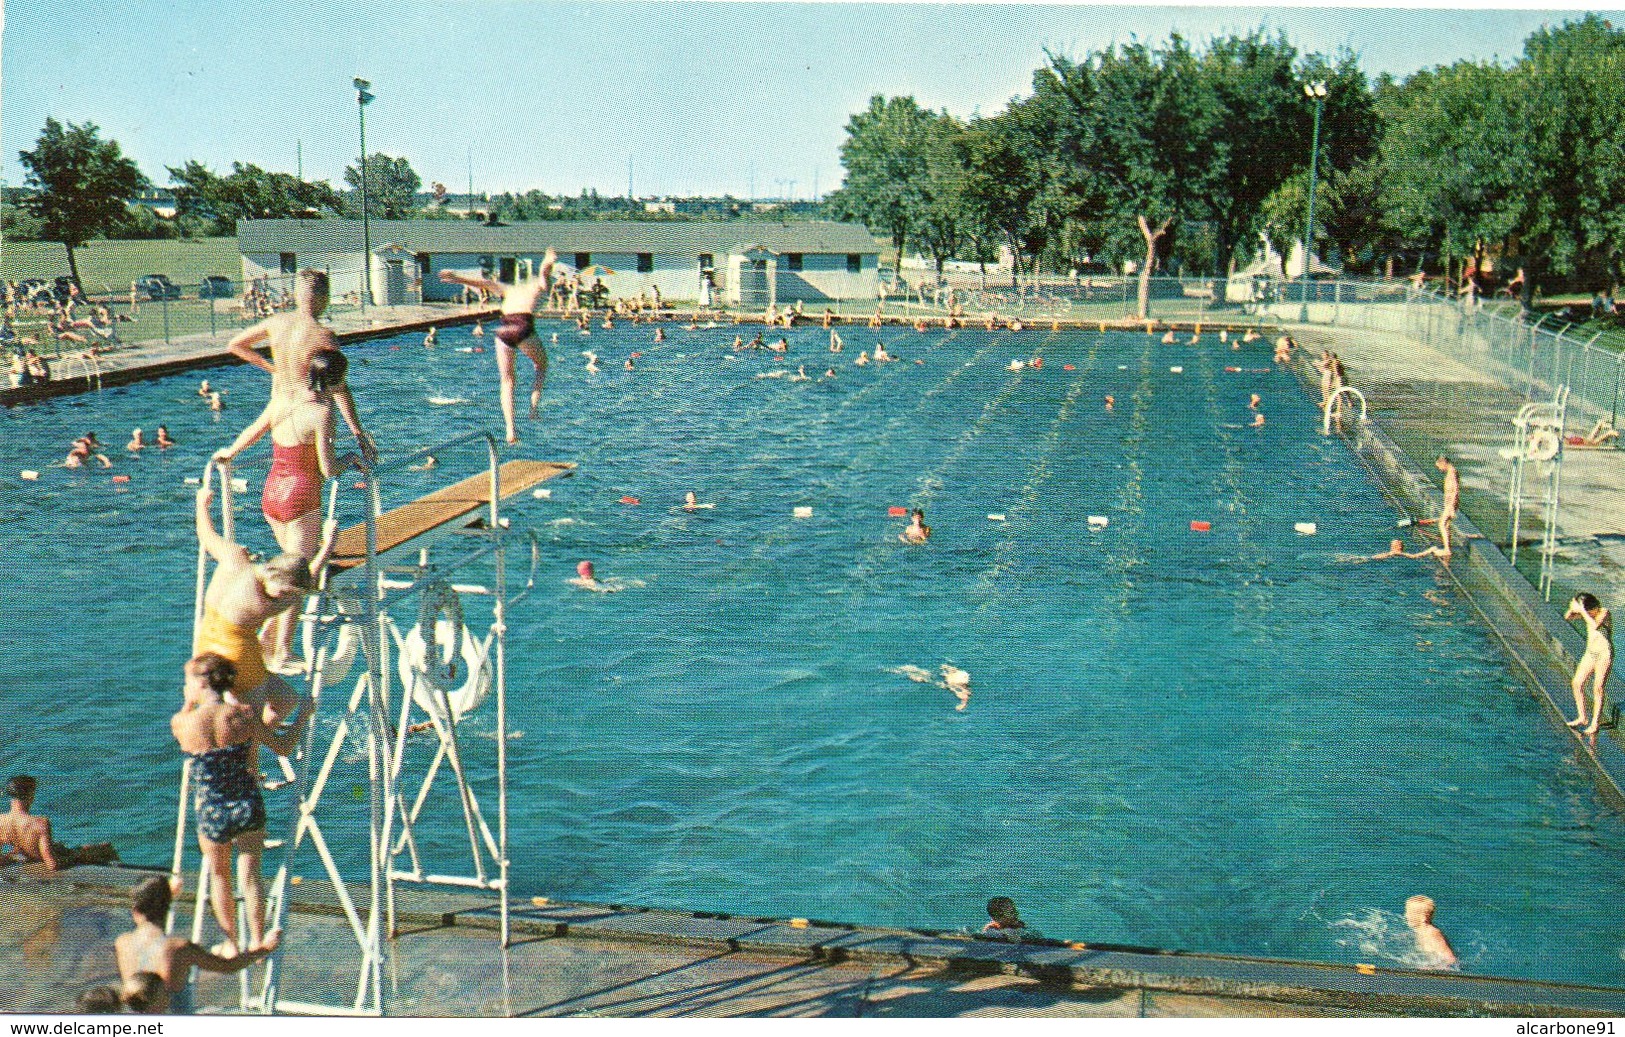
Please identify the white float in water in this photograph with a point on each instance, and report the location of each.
(1176, 370)
(542, 494)
(1098, 521)
(29, 474)
(803, 511)
(996, 517)
(1305, 528)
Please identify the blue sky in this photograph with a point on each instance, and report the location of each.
(558, 96)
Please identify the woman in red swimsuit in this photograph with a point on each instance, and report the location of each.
(302, 460)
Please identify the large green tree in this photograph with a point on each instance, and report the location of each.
(246, 193)
(80, 184)
(886, 155)
(392, 187)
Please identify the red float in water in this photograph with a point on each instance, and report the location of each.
(121, 478)
(1198, 526)
(1068, 367)
(896, 512)
(630, 500)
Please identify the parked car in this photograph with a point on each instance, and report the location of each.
(216, 287)
(157, 286)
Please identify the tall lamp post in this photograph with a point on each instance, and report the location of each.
(1316, 92)
(362, 99)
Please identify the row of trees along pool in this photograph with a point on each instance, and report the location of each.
(1176, 157)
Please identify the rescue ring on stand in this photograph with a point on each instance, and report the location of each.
(442, 657)
(339, 657)
(1543, 444)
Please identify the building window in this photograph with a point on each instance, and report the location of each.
(792, 261)
(707, 261)
(288, 265)
(646, 262)
(487, 264)
(854, 263)
(423, 266)
(583, 260)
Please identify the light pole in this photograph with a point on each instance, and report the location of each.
(362, 99)
(1316, 91)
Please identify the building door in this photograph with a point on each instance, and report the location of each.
(755, 290)
(509, 270)
(394, 282)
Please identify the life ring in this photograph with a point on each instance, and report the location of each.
(340, 657)
(442, 657)
(430, 674)
(1543, 444)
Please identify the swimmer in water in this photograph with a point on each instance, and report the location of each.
(478, 330)
(830, 373)
(84, 448)
(917, 532)
(592, 361)
(1168, 339)
(1430, 941)
(203, 389)
(428, 463)
(835, 343)
(517, 333)
(1396, 549)
(585, 579)
(216, 403)
(956, 681)
(801, 374)
(629, 365)
(862, 359)
(1253, 401)
(1258, 420)
(739, 343)
(660, 334)
(1110, 403)
(136, 442)
(429, 339)
(1597, 659)
(164, 442)
(1252, 335)
(881, 354)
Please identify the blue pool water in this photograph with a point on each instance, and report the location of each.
(1226, 741)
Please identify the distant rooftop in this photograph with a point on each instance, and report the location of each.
(442, 236)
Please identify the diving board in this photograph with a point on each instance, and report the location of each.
(406, 523)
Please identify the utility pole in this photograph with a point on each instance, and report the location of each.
(471, 180)
(753, 181)
(299, 152)
(629, 195)
(362, 99)
(1317, 92)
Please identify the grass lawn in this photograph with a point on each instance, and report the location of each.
(110, 266)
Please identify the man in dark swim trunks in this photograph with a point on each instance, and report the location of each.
(517, 331)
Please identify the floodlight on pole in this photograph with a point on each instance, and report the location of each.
(364, 97)
(1316, 92)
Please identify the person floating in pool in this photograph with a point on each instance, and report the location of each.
(147, 948)
(588, 581)
(917, 532)
(692, 503)
(1258, 420)
(29, 834)
(1601, 433)
(83, 449)
(293, 339)
(1597, 659)
(1005, 923)
(302, 460)
(517, 333)
(1452, 500)
(242, 597)
(220, 737)
(958, 682)
(1430, 940)
(1396, 549)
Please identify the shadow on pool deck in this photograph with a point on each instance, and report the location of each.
(56, 934)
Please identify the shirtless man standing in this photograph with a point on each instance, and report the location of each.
(1452, 500)
(295, 338)
(1430, 940)
(30, 834)
(518, 331)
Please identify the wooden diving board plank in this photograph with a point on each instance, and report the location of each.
(401, 525)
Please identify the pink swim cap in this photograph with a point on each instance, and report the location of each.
(584, 569)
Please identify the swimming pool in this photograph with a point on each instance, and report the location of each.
(1228, 741)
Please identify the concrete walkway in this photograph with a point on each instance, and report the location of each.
(56, 934)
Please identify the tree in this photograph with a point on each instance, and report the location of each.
(885, 155)
(940, 219)
(392, 187)
(247, 193)
(81, 182)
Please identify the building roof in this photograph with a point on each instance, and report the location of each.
(440, 236)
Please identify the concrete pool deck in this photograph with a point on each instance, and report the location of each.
(56, 934)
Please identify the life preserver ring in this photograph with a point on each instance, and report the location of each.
(340, 657)
(442, 657)
(1543, 444)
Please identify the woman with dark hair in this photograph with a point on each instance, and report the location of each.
(517, 332)
(1597, 659)
(302, 459)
